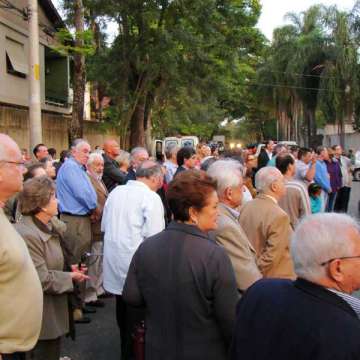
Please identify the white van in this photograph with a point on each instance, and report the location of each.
(159, 146)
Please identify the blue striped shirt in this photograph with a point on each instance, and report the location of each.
(74, 190)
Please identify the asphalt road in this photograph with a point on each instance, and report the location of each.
(100, 339)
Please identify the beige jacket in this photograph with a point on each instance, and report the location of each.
(47, 255)
(21, 298)
(242, 254)
(268, 229)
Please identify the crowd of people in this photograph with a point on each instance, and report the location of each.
(221, 256)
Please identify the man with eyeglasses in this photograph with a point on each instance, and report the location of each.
(315, 316)
(21, 297)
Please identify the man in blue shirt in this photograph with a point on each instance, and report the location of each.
(322, 177)
(77, 201)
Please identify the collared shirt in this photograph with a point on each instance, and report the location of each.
(170, 171)
(74, 191)
(233, 212)
(272, 198)
(301, 170)
(131, 214)
(352, 301)
(322, 177)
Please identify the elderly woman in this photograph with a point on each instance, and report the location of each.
(38, 204)
(185, 280)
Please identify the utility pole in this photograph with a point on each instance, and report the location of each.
(34, 75)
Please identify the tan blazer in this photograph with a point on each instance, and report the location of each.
(47, 256)
(242, 254)
(268, 229)
(102, 195)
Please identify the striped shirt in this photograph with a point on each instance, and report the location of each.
(352, 301)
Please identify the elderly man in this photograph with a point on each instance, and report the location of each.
(228, 174)
(112, 175)
(132, 213)
(268, 226)
(137, 156)
(21, 297)
(296, 202)
(314, 317)
(94, 287)
(77, 202)
(171, 162)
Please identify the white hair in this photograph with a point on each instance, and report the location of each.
(123, 157)
(78, 144)
(265, 177)
(226, 173)
(6, 143)
(136, 151)
(94, 156)
(318, 239)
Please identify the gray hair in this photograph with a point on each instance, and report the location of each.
(94, 156)
(170, 150)
(135, 151)
(78, 143)
(123, 157)
(318, 239)
(226, 173)
(148, 168)
(5, 143)
(265, 177)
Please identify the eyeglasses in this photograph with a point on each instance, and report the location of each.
(340, 258)
(17, 163)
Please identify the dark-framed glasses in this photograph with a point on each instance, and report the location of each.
(340, 258)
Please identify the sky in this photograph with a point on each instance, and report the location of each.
(273, 11)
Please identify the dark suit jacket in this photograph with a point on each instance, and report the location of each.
(179, 170)
(186, 282)
(286, 320)
(113, 176)
(131, 175)
(263, 159)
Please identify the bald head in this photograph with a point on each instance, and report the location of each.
(150, 173)
(11, 168)
(111, 148)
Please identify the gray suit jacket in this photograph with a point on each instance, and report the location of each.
(242, 254)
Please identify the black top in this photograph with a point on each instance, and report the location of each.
(187, 285)
(113, 176)
(131, 175)
(179, 170)
(263, 159)
(297, 320)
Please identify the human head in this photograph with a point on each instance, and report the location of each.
(52, 153)
(229, 179)
(294, 150)
(270, 181)
(337, 149)
(314, 190)
(322, 153)
(95, 164)
(171, 152)
(251, 161)
(192, 199)
(269, 144)
(34, 169)
(49, 167)
(65, 154)
(25, 155)
(11, 168)
(304, 155)
(279, 149)
(205, 150)
(40, 151)
(286, 164)
(186, 157)
(207, 163)
(150, 173)
(38, 195)
(319, 248)
(137, 156)
(123, 160)
(111, 148)
(80, 150)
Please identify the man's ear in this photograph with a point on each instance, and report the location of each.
(335, 271)
(228, 193)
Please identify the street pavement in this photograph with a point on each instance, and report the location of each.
(100, 340)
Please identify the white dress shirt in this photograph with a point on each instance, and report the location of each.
(132, 213)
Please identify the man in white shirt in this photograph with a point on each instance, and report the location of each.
(171, 162)
(132, 213)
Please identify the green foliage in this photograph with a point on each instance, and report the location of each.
(65, 39)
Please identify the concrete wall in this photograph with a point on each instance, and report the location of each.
(352, 141)
(14, 121)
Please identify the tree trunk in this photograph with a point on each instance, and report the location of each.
(76, 124)
(137, 131)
